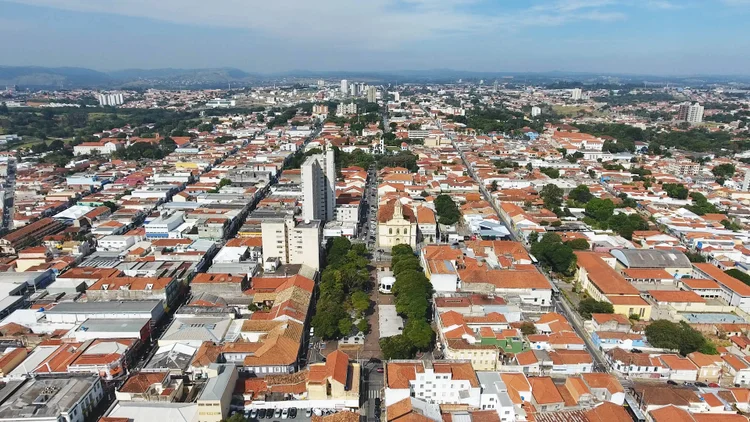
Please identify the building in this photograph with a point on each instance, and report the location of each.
(439, 382)
(536, 111)
(103, 147)
(372, 94)
(320, 110)
(291, 241)
(397, 224)
(51, 399)
(344, 109)
(220, 103)
(319, 186)
(691, 113)
(135, 288)
(344, 86)
(216, 396)
(29, 235)
(164, 225)
(111, 99)
(603, 283)
(576, 94)
(336, 379)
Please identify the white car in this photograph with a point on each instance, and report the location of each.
(285, 414)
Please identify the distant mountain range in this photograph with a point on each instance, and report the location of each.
(35, 77)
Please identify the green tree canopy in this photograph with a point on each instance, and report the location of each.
(553, 253)
(592, 306)
(447, 210)
(552, 195)
(678, 336)
(581, 194)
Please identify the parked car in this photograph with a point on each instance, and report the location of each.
(670, 382)
(285, 414)
(380, 370)
(254, 413)
(277, 413)
(713, 385)
(701, 384)
(308, 413)
(293, 412)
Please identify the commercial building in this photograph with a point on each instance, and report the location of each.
(111, 99)
(29, 235)
(220, 103)
(319, 186)
(51, 399)
(216, 396)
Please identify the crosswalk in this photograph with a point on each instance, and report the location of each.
(373, 394)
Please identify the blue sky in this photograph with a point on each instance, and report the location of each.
(603, 36)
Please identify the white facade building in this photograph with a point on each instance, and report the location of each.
(292, 242)
(319, 186)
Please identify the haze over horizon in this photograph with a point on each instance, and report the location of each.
(656, 37)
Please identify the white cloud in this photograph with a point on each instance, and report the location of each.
(369, 25)
(664, 5)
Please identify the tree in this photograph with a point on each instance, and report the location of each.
(224, 182)
(396, 347)
(600, 209)
(592, 306)
(528, 328)
(345, 326)
(420, 333)
(579, 244)
(724, 170)
(493, 186)
(533, 237)
(551, 252)
(447, 210)
(237, 417)
(360, 302)
(551, 172)
(552, 196)
(581, 194)
(401, 250)
(678, 336)
(363, 326)
(675, 190)
(111, 205)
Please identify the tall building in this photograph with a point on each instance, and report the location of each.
(111, 99)
(291, 242)
(321, 83)
(682, 112)
(344, 86)
(372, 94)
(319, 186)
(535, 111)
(354, 90)
(576, 94)
(695, 113)
(344, 109)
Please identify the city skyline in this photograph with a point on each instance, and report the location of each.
(600, 36)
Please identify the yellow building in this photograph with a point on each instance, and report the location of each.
(336, 379)
(603, 283)
(397, 224)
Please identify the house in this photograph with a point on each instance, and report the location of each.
(610, 322)
(738, 367)
(335, 379)
(709, 366)
(680, 369)
(545, 395)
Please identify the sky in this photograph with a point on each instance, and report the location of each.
(660, 37)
